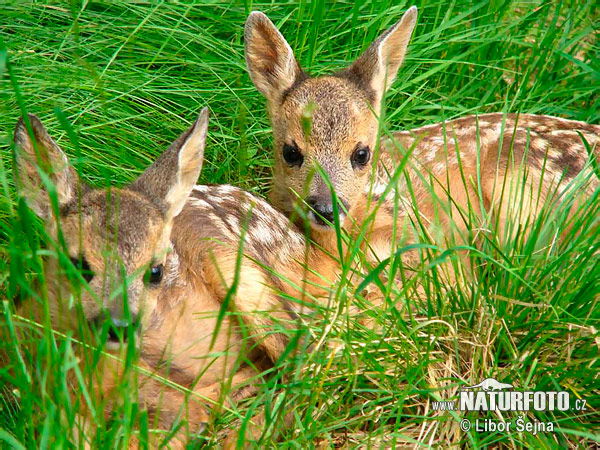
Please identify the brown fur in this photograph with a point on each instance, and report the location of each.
(522, 159)
(195, 233)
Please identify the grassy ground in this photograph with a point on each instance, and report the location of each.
(129, 78)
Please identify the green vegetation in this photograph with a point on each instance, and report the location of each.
(116, 82)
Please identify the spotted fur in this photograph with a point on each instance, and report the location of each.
(195, 233)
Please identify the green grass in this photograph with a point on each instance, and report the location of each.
(128, 78)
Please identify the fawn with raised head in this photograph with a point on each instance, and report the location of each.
(159, 257)
(468, 164)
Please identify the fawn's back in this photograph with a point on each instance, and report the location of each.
(511, 166)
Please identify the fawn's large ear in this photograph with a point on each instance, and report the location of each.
(170, 180)
(269, 58)
(39, 160)
(376, 69)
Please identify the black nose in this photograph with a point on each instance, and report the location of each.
(323, 210)
(118, 328)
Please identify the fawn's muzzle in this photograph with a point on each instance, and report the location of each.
(322, 211)
(118, 328)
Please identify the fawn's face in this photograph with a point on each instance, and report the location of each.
(117, 239)
(325, 128)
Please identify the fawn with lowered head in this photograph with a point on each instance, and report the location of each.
(469, 164)
(160, 256)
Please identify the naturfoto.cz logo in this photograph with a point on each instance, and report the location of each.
(490, 395)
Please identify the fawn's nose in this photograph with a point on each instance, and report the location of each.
(118, 328)
(322, 211)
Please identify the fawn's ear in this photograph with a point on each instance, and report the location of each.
(170, 180)
(269, 58)
(377, 67)
(39, 160)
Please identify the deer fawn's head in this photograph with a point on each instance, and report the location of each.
(118, 238)
(327, 122)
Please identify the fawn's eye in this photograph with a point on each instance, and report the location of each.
(360, 157)
(292, 155)
(154, 275)
(83, 267)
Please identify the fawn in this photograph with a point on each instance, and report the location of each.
(468, 164)
(160, 256)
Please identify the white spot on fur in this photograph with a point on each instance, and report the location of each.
(439, 167)
(520, 142)
(432, 154)
(439, 142)
(540, 143)
(494, 132)
(233, 223)
(467, 131)
(375, 189)
(199, 203)
(559, 119)
(172, 273)
(262, 232)
(226, 189)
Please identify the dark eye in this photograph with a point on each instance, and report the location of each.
(155, 274)
(360, 157)
(83, 267)
(292, 155)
